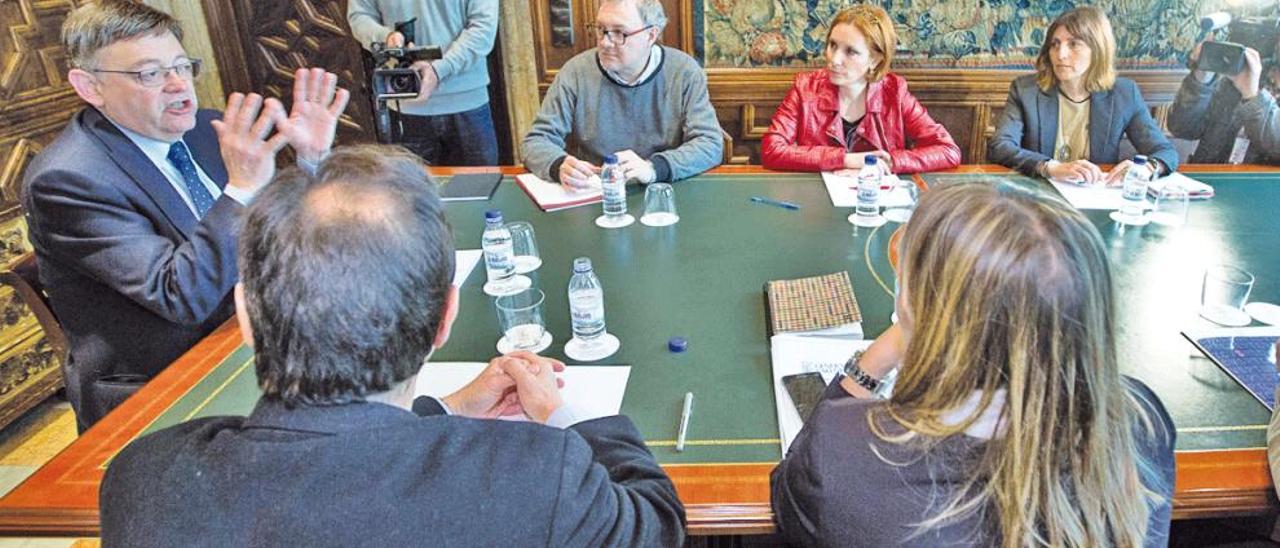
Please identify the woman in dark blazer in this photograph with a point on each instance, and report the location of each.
(1010, 423)
(1063, 121)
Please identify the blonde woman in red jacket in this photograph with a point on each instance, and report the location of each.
(833, 118)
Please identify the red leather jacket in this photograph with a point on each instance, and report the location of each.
(806, 133)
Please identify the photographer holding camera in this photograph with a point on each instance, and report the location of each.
(449, 122)
(1232, 109)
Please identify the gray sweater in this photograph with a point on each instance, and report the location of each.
(464, 29)
(1212, 112)
(667, 119)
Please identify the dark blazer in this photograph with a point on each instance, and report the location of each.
(1027, 132)
(369, 474)
(839, 485)
(133, 277)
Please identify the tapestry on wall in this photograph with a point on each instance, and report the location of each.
(996, 34)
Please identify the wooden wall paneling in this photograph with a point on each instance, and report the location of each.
(35, 104)
(519, 70)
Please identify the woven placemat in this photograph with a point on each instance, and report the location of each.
(806, 304)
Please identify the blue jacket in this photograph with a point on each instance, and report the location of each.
(1027, 131)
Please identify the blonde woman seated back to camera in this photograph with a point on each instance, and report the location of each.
(1010, 423)
(1068, 117)
(834, 118)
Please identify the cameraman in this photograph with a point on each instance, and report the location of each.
(1213, 108)
(449, 124)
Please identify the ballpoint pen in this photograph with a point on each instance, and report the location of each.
(772, 202)
(684, 420)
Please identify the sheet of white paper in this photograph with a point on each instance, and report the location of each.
(594, 390)
(844, 191)
(464, 262)
(553, 197)
(1093, 197)
(792, 354)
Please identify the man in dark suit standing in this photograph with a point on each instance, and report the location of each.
(345, 292)
(133, 209)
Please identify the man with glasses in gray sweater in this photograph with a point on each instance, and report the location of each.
(645, 103)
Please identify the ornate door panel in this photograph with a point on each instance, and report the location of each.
(259, 45)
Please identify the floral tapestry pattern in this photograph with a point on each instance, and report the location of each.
(1150, 34)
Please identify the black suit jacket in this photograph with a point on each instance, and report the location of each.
(133, 277)
(369, 474)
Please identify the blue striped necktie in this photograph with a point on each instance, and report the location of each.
(181, 159)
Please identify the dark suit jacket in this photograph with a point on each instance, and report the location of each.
(369, 474)
(133, 277)
(1027, 132)
(839, 485)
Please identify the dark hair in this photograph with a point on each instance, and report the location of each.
(345, 275)
(94, 26)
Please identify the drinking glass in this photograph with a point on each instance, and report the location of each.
(902, 201)
(1226, 288)
(520, 316)
(1172, 204)
(524, 247)
(659, 205)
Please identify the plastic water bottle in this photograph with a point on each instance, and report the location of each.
(613, 184)
(586, 301)
(866, 212)
(1134, 190)
(499, 261)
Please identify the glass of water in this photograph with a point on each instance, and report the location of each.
(900, 202)
(1172, 204)
(520, 316)
(1226, 288)
(524, 247)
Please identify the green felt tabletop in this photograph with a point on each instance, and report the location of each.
(702, 279)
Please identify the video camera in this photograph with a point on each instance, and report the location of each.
(392, 77)
(1259, 33)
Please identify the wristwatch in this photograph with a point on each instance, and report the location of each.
(859, 376)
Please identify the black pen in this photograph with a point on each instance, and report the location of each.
(772, 202)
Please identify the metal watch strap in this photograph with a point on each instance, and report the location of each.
(859, 376)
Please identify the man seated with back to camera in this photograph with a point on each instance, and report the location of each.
(344, 293)
(646, 103)
(1234, 117)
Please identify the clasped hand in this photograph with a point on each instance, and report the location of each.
(518, 383)
(1087, 173)
(245, 131)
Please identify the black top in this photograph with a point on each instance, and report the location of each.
(368, 474)
(835, 487)
(851, 131)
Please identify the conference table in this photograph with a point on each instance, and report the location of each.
(702, 279)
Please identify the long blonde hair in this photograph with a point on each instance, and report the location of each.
(1009, 288)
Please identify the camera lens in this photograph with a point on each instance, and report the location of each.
(401, 83)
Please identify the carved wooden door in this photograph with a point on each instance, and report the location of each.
(259, 45)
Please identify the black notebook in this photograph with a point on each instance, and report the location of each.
(470, 186)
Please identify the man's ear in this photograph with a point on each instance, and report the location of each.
(242, 316)
(86, 86)
(450, 314)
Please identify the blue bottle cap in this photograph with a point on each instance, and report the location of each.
(582, 264)
(610, 159)
(869, 160)
(1140, 159)
(677, 344)
(493, 215)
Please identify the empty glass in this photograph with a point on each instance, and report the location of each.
(520, 316)
(1226, 288)
(900, 202)
(659, 205)
(1172, 203)
(524, 247)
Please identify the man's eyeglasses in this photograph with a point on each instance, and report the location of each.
(617, 38)
(156, 77)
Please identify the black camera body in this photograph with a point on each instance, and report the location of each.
(392, 77)
(1259, 33)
